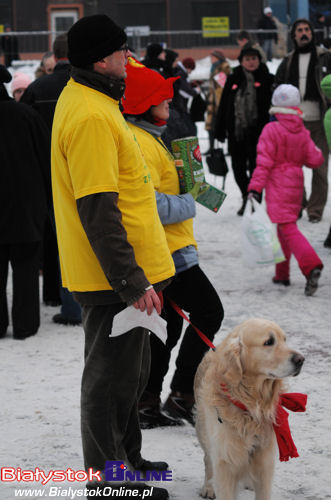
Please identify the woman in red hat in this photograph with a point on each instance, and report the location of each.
(146, 106)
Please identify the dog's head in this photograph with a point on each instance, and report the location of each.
(255, 348)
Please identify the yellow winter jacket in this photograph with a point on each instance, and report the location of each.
(94, 151)
(165, 180)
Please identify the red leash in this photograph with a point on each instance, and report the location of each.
(199, 332)
(294, 401)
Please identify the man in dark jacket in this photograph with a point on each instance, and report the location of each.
(24, 196)
(186, 90)
(321, 24)
(304, 68)
(42, 95)
(179, 123)
(154, 58)
(9, 45)
(267, 23)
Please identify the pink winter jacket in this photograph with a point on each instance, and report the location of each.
(284, 147)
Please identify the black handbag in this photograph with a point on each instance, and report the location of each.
(198, 109)
(217, 163)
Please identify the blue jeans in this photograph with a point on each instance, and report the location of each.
(70, 309)
(267, 47)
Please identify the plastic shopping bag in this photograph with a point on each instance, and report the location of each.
(259, 241)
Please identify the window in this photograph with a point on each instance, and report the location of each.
(62, 16)
(62, 20)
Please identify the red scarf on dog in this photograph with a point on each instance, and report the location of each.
(294, 401)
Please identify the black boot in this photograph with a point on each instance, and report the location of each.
(281, 282)
(312, 281)
(150, 414)
(327, 242)
(148, 465)
(243, 206)
(180, 405)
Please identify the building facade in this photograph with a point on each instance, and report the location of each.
(37, 15)
(176, 16)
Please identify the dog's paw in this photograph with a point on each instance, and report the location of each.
(247, 484)
(207, 492)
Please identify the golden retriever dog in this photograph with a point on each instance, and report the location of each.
(239, 442)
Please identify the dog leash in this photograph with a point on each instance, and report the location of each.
(294, 401)
(199, 332)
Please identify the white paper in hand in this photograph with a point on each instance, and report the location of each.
(131, 318)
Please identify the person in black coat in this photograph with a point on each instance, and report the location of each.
(24, 200)
(179, 123)
(243, 112)
(42, 95)
(9, 45)
(170, 63)
(186, 90)
(322, 22)
(154, 58)
(267, 23)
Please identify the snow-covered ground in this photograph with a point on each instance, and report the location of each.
(40, 377)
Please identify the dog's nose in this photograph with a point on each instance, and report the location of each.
(297, 359)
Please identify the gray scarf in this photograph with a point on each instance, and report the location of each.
(155, 130)
(245, 107)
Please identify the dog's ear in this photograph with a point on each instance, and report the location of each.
(231, 366)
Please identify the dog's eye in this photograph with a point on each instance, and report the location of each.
(270, 341)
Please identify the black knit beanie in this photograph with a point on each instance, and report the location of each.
(92, 38)
(170, 56)
(248, 50)
(154, 49)
(5, 76)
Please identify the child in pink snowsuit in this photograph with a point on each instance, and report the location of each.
(284, 147)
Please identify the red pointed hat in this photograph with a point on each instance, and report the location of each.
(144, 88)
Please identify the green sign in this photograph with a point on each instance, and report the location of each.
(215, 27)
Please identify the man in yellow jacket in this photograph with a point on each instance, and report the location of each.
(112, 247)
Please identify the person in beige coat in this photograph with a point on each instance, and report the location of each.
(219, 72)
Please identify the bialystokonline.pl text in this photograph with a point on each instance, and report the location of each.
(11, 474)
(24, 478)
(72, 494)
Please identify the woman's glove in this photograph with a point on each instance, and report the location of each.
(254, 194)
(198, 189)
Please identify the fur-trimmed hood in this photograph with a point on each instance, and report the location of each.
(290, 118)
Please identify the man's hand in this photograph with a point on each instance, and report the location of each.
(149, 301)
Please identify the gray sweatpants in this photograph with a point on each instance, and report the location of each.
(115, 374)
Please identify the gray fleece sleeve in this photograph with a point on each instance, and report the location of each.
(174, 208)
(102, 223)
